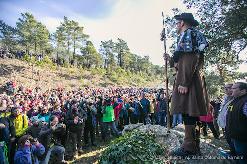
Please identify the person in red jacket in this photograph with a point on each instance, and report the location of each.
(208, 121)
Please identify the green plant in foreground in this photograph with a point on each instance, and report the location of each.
(132, 148)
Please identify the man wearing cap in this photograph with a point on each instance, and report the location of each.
(189, 96)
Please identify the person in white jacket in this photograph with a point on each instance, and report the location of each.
(228, 98)
(223, 108)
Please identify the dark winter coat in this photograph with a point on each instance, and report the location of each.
(194, 103)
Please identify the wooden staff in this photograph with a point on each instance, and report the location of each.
(166, 75)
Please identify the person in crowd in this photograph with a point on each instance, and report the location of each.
(228, 98)
(176, 119)
(117, 105)
(208, 121)
(109, 119)
(216, 105)
(236, 120)
(135, 111)
(124, 119)
(144, 115)
(90, 123)
(75, 121)
(20, 122)
(223, 108)
(56, 110)
(152, 110)
(7, 132)
(99, 115)
(162, 111)
(44, 113)
(29, 149)
(35, 126)
(50, 137)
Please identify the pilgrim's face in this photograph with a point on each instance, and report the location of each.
(179, 25)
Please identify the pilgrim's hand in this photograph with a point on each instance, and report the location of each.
(166, 56)
(182, 90)
(76, 119)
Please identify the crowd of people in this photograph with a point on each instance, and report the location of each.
(17, 54)
(37, 126)
(11, 54)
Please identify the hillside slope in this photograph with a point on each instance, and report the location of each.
(51, 76)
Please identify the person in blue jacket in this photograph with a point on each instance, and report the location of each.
(135, 111)
(28, 151)
(145, 103)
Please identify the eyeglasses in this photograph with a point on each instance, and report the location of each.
(178, 22)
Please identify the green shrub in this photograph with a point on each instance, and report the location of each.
(98, 71)
(28, 59)
(47, 61)
(113, 77)
(132, 148)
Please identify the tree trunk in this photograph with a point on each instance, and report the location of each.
(35, 48)
(74, 53)
(221, 73)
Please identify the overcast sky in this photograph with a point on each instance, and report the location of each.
(138, 22)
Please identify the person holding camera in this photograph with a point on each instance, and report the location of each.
(29, 149)
(75, 120)
(50, 137)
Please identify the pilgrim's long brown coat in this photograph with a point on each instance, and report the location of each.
(194, 103)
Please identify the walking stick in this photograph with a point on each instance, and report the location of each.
(166, 76)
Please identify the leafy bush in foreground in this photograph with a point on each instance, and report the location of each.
(132, 148)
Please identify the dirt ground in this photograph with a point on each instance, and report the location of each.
(91, 154)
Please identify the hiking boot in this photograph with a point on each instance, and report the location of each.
(190, 146)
